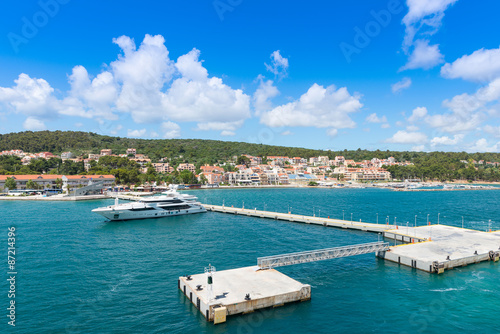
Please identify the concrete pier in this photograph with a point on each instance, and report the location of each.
(241, 290)
(338, 223)
(436, 248)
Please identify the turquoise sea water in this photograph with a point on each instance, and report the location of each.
(80, 274)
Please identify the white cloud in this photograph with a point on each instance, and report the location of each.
(424, 56)
(373, 118)
(33, 124)
(332, 132)
(482, 65)
(385, 126)
(227, 133)
(418, 148)
(30, 96)
(279, 65)
(263, 94)
(204, 100)
(319, 107)
(423, 15)
(482, 145)
(418, 113)
(437, 141)
(142, 73)
(424, 18)
(143, 82)
(287, 133)
(405, 83)
(412, 128)
(136, 133)
(467, 111)
(171, 130)
(90, 98)
(493, 130)
(404, 137)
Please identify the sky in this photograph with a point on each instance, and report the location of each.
(420, 75)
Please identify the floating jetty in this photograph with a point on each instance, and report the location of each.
(435, 248)
(431, 248)
(239, 291)
(339, 223)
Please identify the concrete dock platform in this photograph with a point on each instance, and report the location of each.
(441, 247)
(265, 288)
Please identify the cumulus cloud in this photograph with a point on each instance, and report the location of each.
(29, 96)
(170, 130)
(405, 83)
(143, 82)
(418, 113)
(90, 98)
(482, 65)
(33, 124)
(262, 97)
(385, 126)
(437, 141)
(467, 111)
(279, 65)
(424, 56)
(493, 130)
(418, 148)
(136, 133)
(319, 107)
(373, 118)
(405, 137)
(481, 145)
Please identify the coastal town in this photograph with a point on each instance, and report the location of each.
(245, 170)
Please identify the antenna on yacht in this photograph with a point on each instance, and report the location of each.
(116, 201)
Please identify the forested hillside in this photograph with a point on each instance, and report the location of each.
(433, 165)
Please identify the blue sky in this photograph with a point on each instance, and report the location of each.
(405, 75)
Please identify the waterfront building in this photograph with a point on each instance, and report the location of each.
(106, 152)
(186, 166)
(162, 167)
(48, 181)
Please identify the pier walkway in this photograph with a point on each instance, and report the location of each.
(270, 262)
(339, 223)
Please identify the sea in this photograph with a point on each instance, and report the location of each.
(77, 273)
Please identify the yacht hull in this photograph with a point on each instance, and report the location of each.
(119, 214)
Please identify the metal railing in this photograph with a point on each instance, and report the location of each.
(269, 262)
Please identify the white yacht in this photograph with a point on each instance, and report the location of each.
(170, 203)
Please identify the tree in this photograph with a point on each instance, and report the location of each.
(10, 183)
(243, 160)
(31, 185)
(59, 183)
(312, 184)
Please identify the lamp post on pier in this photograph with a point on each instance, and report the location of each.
(377, 218)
